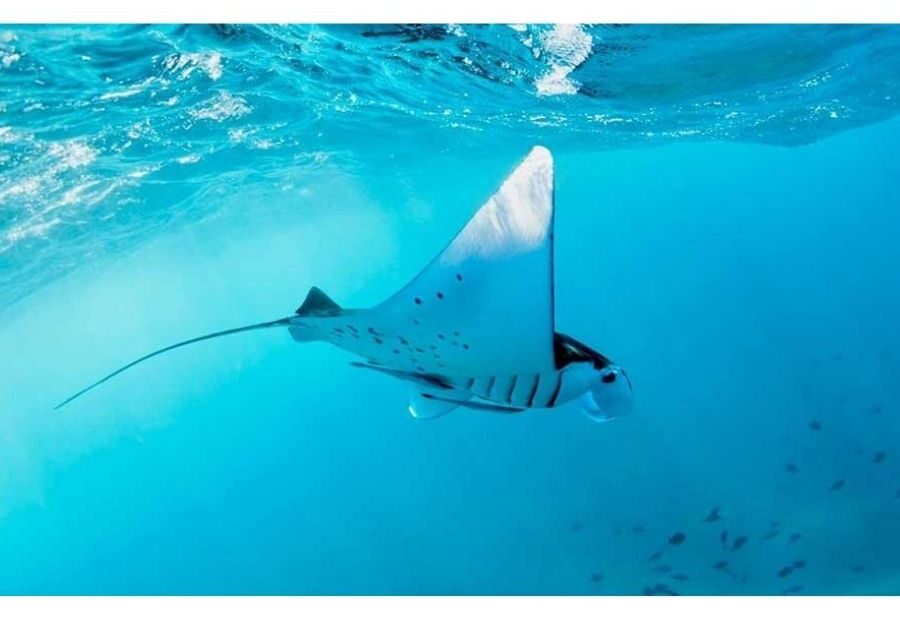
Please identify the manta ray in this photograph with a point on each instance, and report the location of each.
(475, 329)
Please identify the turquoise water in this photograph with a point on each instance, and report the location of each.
(162, 182)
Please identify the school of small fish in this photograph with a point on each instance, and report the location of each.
(663, 562)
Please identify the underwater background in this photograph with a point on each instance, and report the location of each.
(727, 229)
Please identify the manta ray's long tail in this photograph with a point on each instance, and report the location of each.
(246, 328)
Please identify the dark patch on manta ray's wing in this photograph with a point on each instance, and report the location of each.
(425, 378)
(476, 406)
(276, 323)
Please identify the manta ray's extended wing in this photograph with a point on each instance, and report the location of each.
(246, 328)
(483, 306)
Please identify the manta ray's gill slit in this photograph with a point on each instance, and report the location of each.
(352, 329)
(490, 386)
(512, 388)
(534, 389)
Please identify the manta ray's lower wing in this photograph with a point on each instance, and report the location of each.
(484, 306)
(267, 324)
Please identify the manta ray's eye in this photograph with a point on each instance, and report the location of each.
(608, 377)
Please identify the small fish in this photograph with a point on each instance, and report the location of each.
(679, 577)
(799, 564)
(677, 538)
(596, 577)
(663, 588)
(713, 516)
(663, 568)
(655, 556)
(793, 590)
(837, 485)
(784, 572)
(739, 542)
(791, 468)
(795, 537)
(879, 457)
(723, 538)
(815, 425)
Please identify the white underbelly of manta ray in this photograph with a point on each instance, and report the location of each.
(475, 329)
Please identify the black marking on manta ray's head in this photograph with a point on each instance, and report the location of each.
(609, 377)
(567, 350)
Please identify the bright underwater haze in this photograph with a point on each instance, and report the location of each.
(748, 287)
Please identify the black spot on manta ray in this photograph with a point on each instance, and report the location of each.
(396, 351)
(465, 346)
(441, 337)
(418, 301)
(440, 295)
(609, 377)
(459, 277)
(377, 340)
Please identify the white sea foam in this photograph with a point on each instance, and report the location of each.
(8, 58)
(187, 63)
(565, 47)
(223, 106)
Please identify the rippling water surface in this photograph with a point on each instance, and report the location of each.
(108, 134)
(157, 182)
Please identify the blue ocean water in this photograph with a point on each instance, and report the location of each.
(161, 182)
